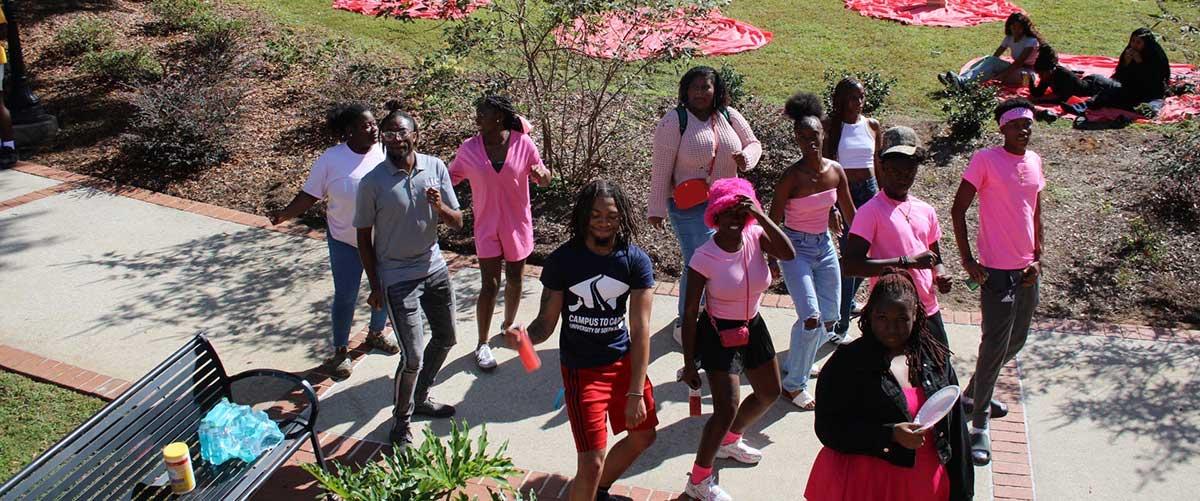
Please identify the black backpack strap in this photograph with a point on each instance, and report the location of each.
(683, 119)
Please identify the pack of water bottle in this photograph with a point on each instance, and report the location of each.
(236, 431)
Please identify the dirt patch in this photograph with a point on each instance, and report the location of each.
(1111, 255)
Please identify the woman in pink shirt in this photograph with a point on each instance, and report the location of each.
(730, 337)
(700, 141)
(498, 163)
(803, 197)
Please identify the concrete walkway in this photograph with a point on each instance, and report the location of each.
(114, 285)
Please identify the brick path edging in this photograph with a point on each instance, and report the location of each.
(71, 180)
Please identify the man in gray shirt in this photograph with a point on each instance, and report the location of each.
(401, 202)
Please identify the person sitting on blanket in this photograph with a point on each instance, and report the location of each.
(1142, 76)
(1057, 83)
(1021, 39)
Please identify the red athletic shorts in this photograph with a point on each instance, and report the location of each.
(597, 394)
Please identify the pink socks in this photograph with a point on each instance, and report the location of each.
(730, 437)
(699, 473)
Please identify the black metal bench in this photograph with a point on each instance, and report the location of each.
(117, 454)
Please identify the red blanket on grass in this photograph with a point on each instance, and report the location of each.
(417, 9)
(625, 36)
(1175, 109)
(957, 13)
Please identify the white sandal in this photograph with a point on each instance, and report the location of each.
(803, 400)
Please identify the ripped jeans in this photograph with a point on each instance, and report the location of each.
(814, 280)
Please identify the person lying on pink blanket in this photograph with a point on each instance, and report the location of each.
(1056, 84)
(1021, 39)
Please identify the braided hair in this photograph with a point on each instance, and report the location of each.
(582, 213)
(396, 111)
(897, 285)
(342, 116)
(504, 105)
(834, 132)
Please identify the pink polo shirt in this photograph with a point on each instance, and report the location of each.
(736, 281)
(500, 200)
(1008, 187)
(897, 229)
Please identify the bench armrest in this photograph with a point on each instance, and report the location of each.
(308, 421)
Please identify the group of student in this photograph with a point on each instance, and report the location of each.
(387, 200)
(1142, 76)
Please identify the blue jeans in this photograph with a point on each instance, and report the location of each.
(860, 192)
(691, 233)
(347, 277)
(813, 280)
(984, 70)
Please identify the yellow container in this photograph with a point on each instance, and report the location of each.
(179, 467)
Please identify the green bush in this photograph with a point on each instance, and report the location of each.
(735, 84)
(967, 109)
(123, 66)
(877, 88)
(215, 34)
(83, 35)
(174, 15)
(182, 125)
(431, 472)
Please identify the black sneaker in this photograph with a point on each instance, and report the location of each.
(400, 437)
(432, 408)
(8, 157)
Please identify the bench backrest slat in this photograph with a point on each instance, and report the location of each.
(120, 445)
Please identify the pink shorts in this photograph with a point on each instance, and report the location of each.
(512, 246)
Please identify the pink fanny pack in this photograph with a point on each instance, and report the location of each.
(736, 337)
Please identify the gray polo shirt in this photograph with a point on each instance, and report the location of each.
(393, 202)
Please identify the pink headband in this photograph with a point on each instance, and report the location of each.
(1015, 114)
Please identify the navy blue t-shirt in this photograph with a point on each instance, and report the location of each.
(595, 295)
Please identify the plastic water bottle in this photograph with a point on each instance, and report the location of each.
(529, 356)
(971, 284)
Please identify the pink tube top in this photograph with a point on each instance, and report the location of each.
(810, 214)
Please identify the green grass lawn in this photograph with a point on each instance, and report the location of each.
(33, 416)
(811, 36)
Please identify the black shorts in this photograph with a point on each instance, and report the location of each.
(716, 358)
(937, 328)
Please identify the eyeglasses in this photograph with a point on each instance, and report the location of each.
(393, 135)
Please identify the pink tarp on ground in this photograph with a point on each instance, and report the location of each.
(957, 13)
(626, 37)
(417, 9)
(1175, 109)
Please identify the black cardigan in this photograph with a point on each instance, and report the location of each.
(858, 400)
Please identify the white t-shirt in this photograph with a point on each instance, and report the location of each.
(334, 177)
(1016, 48)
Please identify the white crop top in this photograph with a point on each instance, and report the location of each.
(856, 150)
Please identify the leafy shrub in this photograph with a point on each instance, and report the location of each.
(431, 472)
(735, 84)
(877, 88)
(215, 34)
(123, 66)
(83, 35)
(967, 109)
(174, 15)
(1176, 161)
(182, 125)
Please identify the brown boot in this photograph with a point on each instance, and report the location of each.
(382, 343)
(339, 364)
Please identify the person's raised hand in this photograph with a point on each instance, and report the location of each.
(909, 435)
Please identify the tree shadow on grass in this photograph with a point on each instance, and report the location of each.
(42, 10)
(1157, 399)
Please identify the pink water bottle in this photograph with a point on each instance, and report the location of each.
(694, 402)
(529, 357)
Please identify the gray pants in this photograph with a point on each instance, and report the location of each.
(435, 296)
(1007, 312)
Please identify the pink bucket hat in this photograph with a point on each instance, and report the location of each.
(724, 194)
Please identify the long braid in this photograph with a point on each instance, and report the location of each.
(897, 285)
(505, 106)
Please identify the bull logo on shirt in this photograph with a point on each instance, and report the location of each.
(599, 292)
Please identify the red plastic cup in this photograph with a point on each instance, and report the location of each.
(694, 402)
(529, 356)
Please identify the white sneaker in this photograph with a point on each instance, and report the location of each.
(484, 358)
(740, 452)
(708, 490)
(677, 334)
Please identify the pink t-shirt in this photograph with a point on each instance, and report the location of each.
(727, 294)
(499, 200)
(1008, 187)
(897, 229)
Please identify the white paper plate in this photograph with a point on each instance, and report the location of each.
(937, 406)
